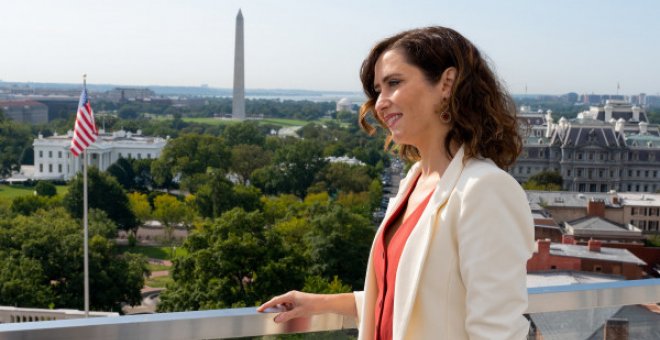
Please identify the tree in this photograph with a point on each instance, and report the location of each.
(247, 132)
(15, 139)
(188, 155)
(246, 158)
(44, 188)
(171, 212)
(104, 193)
(41, 263)
(294, 168)
(122, 170)
(140, 206)
(339, 243)
(27, 205)
(232, 261)
(545, 180)
(344, 177)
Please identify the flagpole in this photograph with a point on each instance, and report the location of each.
(85, 246)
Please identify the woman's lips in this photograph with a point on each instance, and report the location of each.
(392, 118)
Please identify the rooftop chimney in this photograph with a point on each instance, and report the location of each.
(567, 239)
(543, 246)
(616, 329)
(594, 245)
(596, 207)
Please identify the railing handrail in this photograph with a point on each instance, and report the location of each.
(243, 322)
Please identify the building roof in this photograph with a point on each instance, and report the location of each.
(605, 254)
(595, 224)
(640, 199)
(564, 277)
(568, 198)
(644, 321)
(21, 103)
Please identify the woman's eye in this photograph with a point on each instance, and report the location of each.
(393, 82)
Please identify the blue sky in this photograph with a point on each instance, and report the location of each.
(552, 47)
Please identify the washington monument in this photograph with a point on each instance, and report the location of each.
(238, 104)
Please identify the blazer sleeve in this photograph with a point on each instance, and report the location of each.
(359, 301)
(495, 235)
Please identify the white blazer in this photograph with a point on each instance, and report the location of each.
(462, 272)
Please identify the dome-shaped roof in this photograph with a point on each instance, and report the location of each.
(344, 101)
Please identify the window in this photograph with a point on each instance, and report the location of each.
(601, 173)
(41, 154)
(529, 170)
(579, 156)
(50, 168)
(629, 173)
(603, 188)
(41, 168)
(59, 168)
(639, 173)
(568, 173)
(139, 156)
(593, 188)
(579, 172)
(646, 174)
(119, 154)
(633, 211)
(591, 156)
(50, 154)
(602, 156)
(148, 156)
(59, 154)
(598, 268)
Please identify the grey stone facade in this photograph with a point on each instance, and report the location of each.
(593, 155)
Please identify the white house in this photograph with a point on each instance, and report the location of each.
(53, 160)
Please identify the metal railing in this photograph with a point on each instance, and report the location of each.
(246, 322)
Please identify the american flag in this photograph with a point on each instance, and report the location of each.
(84, 131)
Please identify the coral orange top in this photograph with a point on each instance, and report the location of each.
(386, 261)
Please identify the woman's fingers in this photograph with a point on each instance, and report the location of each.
(286, 301)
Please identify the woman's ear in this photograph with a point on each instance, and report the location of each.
(447, 81)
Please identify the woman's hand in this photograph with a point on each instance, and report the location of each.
(295, 304)
(298, 304)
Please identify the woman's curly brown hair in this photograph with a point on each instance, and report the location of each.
(483, 115)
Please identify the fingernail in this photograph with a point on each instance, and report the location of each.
(277, 318)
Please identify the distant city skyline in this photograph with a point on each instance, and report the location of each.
(536, 47)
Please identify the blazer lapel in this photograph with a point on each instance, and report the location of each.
(414, 252)
(370, 289)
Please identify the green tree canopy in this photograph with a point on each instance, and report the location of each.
(44, 188)
(547, 180)
(233, 261)
(246, 158)
(190, 154)
(247, 132)
(41, 263)
(15, 139)
(104, 193)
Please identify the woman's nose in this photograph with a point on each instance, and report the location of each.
(381, 103)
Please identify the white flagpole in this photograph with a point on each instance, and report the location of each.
(85, 247)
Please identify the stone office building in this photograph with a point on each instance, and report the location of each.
(603, 149)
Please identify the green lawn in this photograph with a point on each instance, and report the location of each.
(276, 121)
(158, 267)
(9, 192)
(162, 253)
(158, 282)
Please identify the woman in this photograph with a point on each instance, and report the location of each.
(449, 260)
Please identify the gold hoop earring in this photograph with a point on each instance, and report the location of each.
(445, 117)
